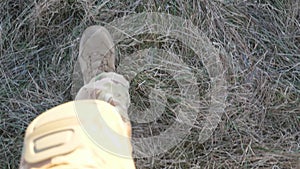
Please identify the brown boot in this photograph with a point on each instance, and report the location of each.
(96, 52)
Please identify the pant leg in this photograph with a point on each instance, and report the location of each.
(109, 87)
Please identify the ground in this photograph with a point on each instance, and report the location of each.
(260, 44)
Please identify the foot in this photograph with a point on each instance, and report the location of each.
(96, 52)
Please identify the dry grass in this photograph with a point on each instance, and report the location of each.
(261, 126)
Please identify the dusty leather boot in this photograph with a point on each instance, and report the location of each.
(96, 52)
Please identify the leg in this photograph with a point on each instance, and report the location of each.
(58, 138)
